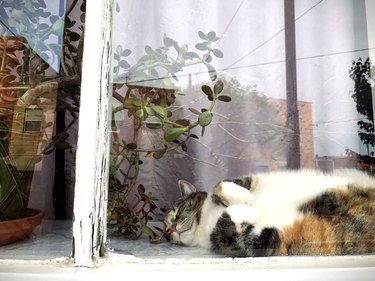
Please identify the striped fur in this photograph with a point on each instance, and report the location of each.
(281, 213)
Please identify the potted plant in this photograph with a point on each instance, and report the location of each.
(32, 90)
(146, 93)
(21, 130)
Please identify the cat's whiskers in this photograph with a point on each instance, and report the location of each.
(188, 219)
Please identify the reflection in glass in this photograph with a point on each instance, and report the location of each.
(41, 23)
(40, 61)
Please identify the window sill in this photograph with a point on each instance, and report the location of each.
(117, 266)
(51, 239)
(45, 256)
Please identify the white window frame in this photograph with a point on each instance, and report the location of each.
(92, 165)
(90, 204)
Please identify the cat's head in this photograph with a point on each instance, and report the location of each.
(182, 220)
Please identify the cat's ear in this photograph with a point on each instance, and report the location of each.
(186, 187)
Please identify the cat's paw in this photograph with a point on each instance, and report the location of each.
(231, 194)
(243, 214)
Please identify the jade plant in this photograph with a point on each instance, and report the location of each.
(149, 106)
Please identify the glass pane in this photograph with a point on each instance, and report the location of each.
(200, 94)
(41, 48)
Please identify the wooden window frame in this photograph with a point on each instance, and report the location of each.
(90, 203)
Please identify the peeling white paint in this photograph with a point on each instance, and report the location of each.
(89, 222)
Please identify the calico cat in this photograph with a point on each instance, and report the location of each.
(279, 213)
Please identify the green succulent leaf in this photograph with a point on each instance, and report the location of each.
(124, 64)
(207, 58)
(116, 57)
(218, 53)
(224, 98)
(141, 189)
(73, 36)
(58, 27)
(160, 111)
(126, 52)
(211, 71)
(158, 154)
(154, 125)
(173, 133)
(62, 145)
(148, 50)
(218, 88)
(207, 90)
(202, 35)
(147, 230)
(193, 110)
(202, 46)
(205, 118)
(190, 55)
(131, 146)
(150, 111)
(184, 146)
(212, 36)
(119, 49)
(140, 113)
(183, 122)
(168, 42)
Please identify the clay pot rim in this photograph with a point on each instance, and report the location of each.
(18, 229)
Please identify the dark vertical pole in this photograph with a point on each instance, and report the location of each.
(59, 186)
(292, 116)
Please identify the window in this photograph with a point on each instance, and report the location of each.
(152, 74)
(286, 102)
(41, 44)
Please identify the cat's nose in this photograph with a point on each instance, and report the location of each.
(169, 231)
(173, 228)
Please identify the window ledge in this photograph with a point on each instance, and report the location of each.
(51, 239)
(116, 266)
(45, 257)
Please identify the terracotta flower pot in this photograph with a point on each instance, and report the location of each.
(15, 230)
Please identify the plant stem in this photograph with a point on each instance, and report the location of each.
(4, 53)
(169, 122)
(15, 88)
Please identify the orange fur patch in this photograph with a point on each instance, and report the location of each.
(218, 190)
(309, 235)
(219, 193)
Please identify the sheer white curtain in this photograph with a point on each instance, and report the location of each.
(248, 133)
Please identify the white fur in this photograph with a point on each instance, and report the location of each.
(211, 212)
(273, 202)
(236, 194)
(243, 213)
(278, 194)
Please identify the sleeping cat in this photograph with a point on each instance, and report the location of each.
(279, 213)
